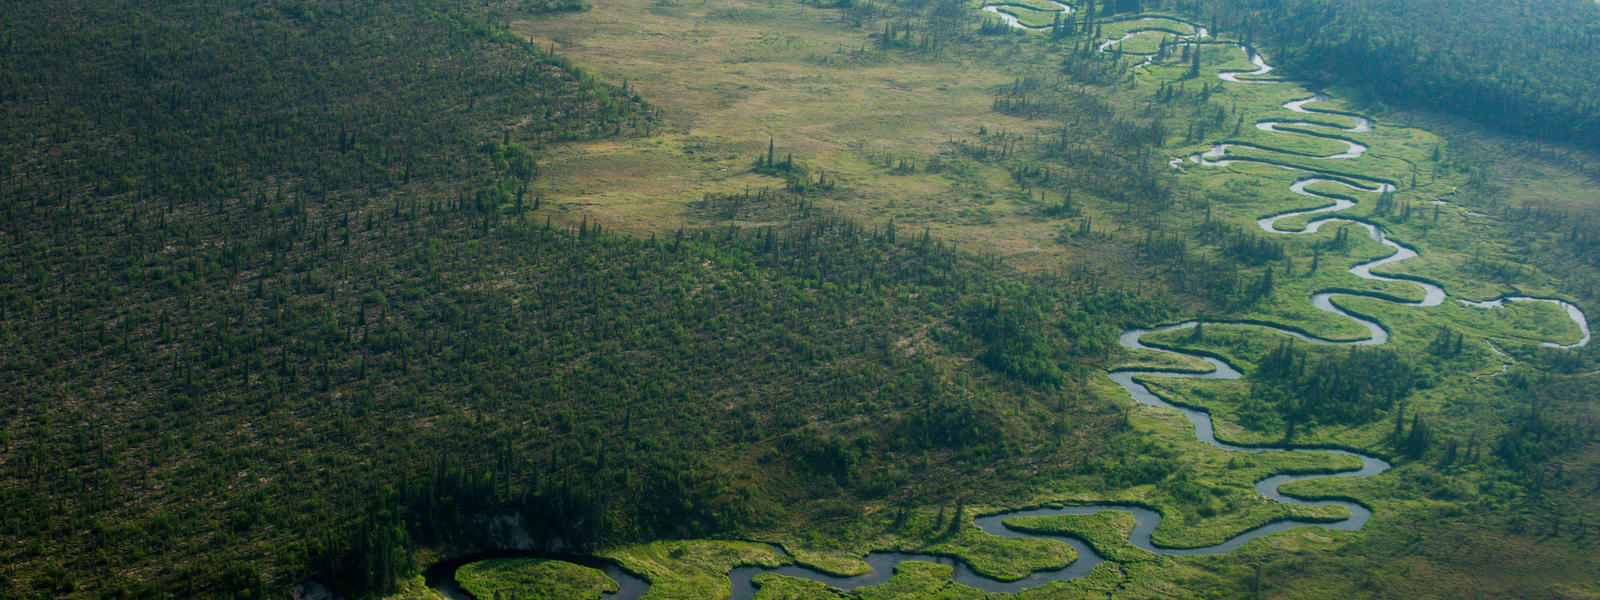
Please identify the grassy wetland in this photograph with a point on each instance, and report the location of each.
(1425, 212)
(774, 299)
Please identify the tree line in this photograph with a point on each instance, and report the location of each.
(1519, 66)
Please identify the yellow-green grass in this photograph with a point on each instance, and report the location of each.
(1289, 305)
(692, 569)
(1411, 328)
(732, 75)
(1450, 386)
(1163, 361)
(823, 92)
(1116, 29)
(1147, 42)
(1448, 246)
(786, 73)
(1031, 18)
(771, 586)
(927, 531)
(1452, 243)
(877, 108)
(1032, 13)
(1215, 55)
(1106, 531)
(828, 561)
(533, 579)
(916, 579)
(415, 588)
(1227, 479)
(1228, 476)
(1294, 142)
(1038, 5)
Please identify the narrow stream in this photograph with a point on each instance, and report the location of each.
(1005, 10)
(441, 575)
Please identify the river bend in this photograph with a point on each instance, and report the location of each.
(1146, 520)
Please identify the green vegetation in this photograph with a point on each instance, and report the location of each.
(1037, 5)
(692, 569)
(1337, 387)
(1519, 66)
(1030, 18)
(1203, 245)
(402, 351)
(415, 588)
(1106, 531)
(554, 6)
(533, 579)
(331, 290)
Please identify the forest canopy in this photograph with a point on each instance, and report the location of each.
(1525, 67)
(283, 256)
(316, 290)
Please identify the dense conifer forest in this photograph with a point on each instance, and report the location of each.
(1523, 67)
(276, 289)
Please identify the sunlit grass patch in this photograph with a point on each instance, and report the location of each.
(533, 579)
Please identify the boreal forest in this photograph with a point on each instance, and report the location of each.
(799, 299)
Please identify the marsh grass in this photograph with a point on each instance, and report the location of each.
(533, 579)
(731, 76)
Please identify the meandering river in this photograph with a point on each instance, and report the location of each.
(1146, 520)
